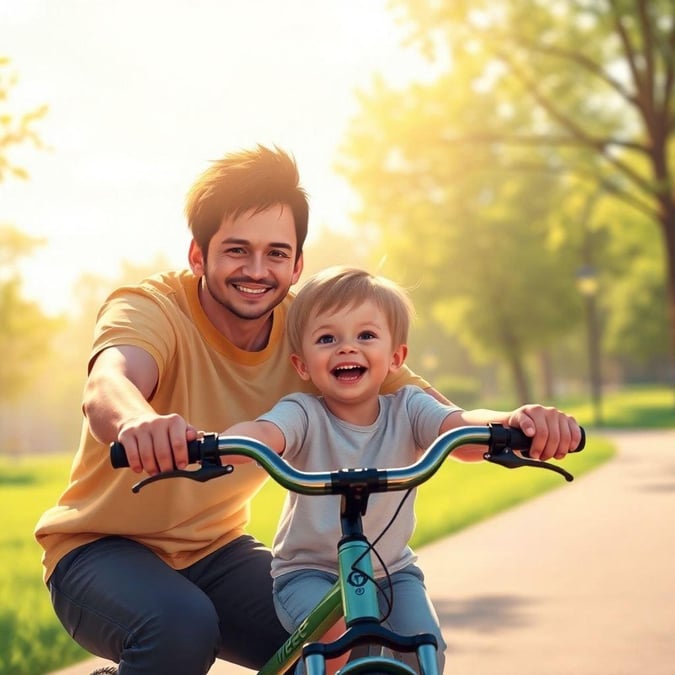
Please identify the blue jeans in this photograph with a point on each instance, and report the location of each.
(297, 593)
(118, 600)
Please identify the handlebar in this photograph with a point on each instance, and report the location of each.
(500, 441)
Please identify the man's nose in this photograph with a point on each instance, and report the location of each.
(255, 267)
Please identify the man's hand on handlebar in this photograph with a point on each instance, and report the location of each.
(156, 443)
(553, 433)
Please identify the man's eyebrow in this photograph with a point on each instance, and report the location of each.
(246, 242)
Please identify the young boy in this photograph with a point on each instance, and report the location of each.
(348, 331)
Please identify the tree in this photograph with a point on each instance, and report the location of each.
(15, 129)
(599, 74)
(25, 332)
(479, 245)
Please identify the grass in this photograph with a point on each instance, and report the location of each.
(32, 642)
(638, 407)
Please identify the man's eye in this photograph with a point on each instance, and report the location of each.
(279, 254)
(325, 340)
(235, 250)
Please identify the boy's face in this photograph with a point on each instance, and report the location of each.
(251, 262)
(348, 353)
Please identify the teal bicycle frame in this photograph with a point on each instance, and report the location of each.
(355, 595)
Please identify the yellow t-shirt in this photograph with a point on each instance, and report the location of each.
(209, 382)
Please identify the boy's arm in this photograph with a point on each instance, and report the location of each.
(265, 432)
(553, 433)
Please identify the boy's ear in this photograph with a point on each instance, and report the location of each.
(300, 366)
(398, 357)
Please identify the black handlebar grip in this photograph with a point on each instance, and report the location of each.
(582, 442)
(519, 441)
(118, 455)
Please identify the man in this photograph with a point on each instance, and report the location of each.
(167, 580)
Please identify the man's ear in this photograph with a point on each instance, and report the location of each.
(297, 269)
(300, 366)
(196, 259)
(398, 358)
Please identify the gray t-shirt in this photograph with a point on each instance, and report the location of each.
(316, 440)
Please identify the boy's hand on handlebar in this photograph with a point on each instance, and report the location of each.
(156, 443)
(553, 433)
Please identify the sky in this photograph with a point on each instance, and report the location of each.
(142, 94)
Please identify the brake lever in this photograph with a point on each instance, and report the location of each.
(209, 469)
(507, 458)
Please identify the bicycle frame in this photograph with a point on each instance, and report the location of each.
(322, 617)
(353, 596)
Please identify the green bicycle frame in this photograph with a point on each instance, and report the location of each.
(322, 617)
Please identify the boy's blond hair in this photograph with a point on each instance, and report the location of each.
(338, 287)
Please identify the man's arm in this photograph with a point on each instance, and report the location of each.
(121, 381)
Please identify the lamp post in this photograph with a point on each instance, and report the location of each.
(587, 284)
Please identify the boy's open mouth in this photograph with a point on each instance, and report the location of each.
(348, 373)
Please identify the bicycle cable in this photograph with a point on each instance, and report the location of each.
(389, 594)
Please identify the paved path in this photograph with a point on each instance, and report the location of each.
(580, 581)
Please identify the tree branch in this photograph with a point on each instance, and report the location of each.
(599, 145)
(585, 62)
(542, 140)
(609, 187)
(628, 50)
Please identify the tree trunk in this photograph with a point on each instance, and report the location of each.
(516, 364)
(668, 223)
(546, 376)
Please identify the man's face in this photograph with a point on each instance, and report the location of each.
(251, 263)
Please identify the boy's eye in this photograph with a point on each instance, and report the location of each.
(367, 335)
(325, 339)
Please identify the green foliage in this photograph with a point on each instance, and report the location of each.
(635, 289)
(15, 129)
(25, 332)
(479, 179)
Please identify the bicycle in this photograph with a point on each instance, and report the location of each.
(355, 595)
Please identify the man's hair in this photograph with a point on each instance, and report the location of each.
(338, 287)
(242, 181)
